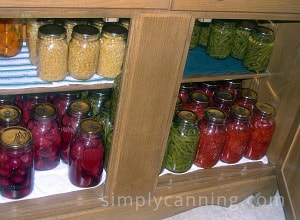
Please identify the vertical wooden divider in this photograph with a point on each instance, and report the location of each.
(152, 73)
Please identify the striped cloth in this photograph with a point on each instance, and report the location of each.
(18, 73)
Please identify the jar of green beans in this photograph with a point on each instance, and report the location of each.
(240, 39)
(96, 98)
(182, 142)
(204, 32)
(219, 44)
(259, 49)
(115, 96)
(195, 34)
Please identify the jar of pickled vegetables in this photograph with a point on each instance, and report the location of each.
(96, 98)
(9, 116)
(198, 102)
(184, 91)
(204, 33)
(259, 49)
(11, 37)
(77, 110)
(212, 138)
(115, 97)
(208, 87)
(7, 100)
(83, 52)
(52, 53)
(112, 50)
(233, 86)
(46, 136)
(182, 142)
(240, 39)
(247, 98)
(221, 35)
(86, 154)
(195, 35)
(28, 101)
(262, 130)
(16, 162)
(237, 134)
(222, 99)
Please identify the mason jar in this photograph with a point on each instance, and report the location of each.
(16, 162)
(222, 99)
(83, 52)
(233, 86)
(184, 91)
(204, 33)
(182, 142)
(112, 50)
(212, 138)
(46, 136)
(9, 116)
(195, 35)
(7, 100)
(70, 23)
(86, 154)
(97, 98)
(115, 97)
(247, 98)
(208, 87)
(198, 102)
(52, 53)
(259, 50)
(262, 129)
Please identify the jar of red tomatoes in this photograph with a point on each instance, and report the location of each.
(223, 100)
(184, 91)
(16, 162)
(233, 86)
(46, 136)
(212, 138)
(208, 87)
(7, 100)
(9, 116)
(28, 101)
(197, 103)
(77, 110)
(247, 98)
(86, 154)
(262, 129)
(237, 134)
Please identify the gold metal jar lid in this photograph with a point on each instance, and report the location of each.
(265, 108)
(215, 114)
(241, 112)
(44, 110)
(91, 126)
(187, 116)
(224, 95)
(9, 113)
(248, 94)
(15, 137)
(199, 97)
(80, 106)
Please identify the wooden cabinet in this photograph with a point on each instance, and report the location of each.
(158, 44)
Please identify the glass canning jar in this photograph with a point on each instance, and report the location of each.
(198, 102)
(182, 142)
(237, 134)
(86, 154)
(204, 33)
(83, 52)
(98, 23)
(96, 98)
(247, 98)
(70, 23)
(46, 136)
(184, 91)
(7, 100)
(112, 50)
(233, 86)
(221, 34)
(9, 116)
(259, 49)
(212, 138)
(223, 100)
(115, 97)
(77, 110)
(262, 130)
(16, 162)
(195, 35)
(52, 53)
(208, 87)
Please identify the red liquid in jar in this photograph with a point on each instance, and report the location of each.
(247, 98)
(197, 103)
(184, 91)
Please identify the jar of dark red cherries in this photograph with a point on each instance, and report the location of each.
(16, 162)
(247, 98)
(28, 101)
(184, 91)
(197, 103)
(262, 129)
(86, 154)
(77, 110)
(7, 100)
(233, 86)
(208, 87)
(223, 100)
(237, 134)
(9, 116)
(212, 138)
(46, 136)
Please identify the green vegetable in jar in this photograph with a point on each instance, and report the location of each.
(204, 34)
(195, 34)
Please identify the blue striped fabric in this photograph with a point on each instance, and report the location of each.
(18, 73)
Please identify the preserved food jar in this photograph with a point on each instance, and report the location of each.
(112, 50)
(182, 142)
(9, 116)
(204, 33)
(233, 86)
(195, 35)
(16, 162)
(212, 138)
(178, 106)
(207, 87)
(247, 98)
(7, 100)
(11, 37)
(32, 37)
(237, 134)
(259, 49)
(98, 23)
(46, 136)
(262, 130)
(115, 97)
(28, 101)
(184, 91)
(223, 100)
(221, 34)
(52, 53)
(97, 98)
(83, 52)
(198, 102)
(86, 154)
(240, 39)
(70, 23)
(77, 110)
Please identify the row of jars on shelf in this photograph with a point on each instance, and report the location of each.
(39, 130)
(218, 126)
(242, 39)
